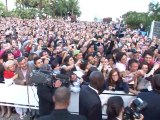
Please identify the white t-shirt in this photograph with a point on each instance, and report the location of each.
(121, 67)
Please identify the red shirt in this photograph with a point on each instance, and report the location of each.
(8, 74)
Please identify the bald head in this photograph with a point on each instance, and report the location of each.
(96, 80)
(62, 95)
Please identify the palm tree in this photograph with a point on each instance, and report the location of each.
(42, 3)
(73, 7)
(60, 8)
(154, 10)
(20, 3)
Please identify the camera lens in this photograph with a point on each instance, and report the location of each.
(98, 44)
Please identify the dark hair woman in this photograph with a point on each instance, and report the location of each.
(7, 55)
(69, 66)
(115, 82)
(115, 108)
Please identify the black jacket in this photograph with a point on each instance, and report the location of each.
(89, 104)
(119, 86)
(62, 115)
(46, 104)
(152, 111)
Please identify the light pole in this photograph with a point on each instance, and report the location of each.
(50, 8)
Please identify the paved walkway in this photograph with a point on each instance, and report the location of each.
(15, 117)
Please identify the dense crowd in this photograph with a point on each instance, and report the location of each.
(127, 58)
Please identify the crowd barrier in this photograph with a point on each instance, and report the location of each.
(26, 97)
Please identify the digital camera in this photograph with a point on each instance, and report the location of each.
(133, 112)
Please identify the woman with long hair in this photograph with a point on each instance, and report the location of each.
(115, 108)
(68, 66)
(115, 82)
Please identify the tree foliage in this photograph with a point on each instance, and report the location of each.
(133, 19)
(154, 10)
(52, 7)
(25, 13)
(73, 7)
(3, 11)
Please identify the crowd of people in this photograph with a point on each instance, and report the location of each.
(126, 58)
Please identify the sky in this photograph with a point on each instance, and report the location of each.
(111, 8)
(105, 8)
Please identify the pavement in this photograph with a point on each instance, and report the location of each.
(15, 117)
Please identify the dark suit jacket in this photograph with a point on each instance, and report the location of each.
(112, 119)
(62, 115)
(152, 112)
(46, 103)
(90, 104)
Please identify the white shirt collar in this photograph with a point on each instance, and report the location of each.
(118, 118)
(93, 89)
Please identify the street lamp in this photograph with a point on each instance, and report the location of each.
(50, 8)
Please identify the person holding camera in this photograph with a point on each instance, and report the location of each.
(115, 109)
(152, 111)
(45, 92)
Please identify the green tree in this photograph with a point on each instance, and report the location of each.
(154, 10)
(133, 19)
(20, 3)
(2, 8)
(61, 8)
(39, 3)
(52, 7)
(23, 13)
(73, 7)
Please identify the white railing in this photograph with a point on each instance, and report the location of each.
(17, 96)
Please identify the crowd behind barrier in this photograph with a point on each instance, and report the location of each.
(127, 58)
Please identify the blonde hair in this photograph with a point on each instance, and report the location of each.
(8, 64)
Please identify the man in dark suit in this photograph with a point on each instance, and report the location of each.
(152, 112)
(62, 99)
(89, 101)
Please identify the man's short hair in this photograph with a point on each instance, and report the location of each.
(39, 39)
(119, 56)
(95, 78)
(35, 59)
(41, 53)
(148, 52)
(19, 59)
(62, 95)
(131, 61)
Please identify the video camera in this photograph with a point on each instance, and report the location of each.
(48, 78)
(133, 112)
